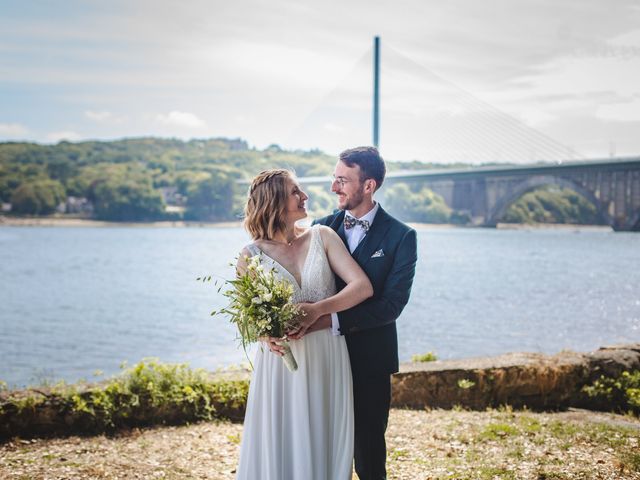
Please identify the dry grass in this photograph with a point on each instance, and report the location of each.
(422, 445)
(504, 444)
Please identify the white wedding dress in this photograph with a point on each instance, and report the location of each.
(299, 425)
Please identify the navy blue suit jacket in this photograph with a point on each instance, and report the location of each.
(388, 255)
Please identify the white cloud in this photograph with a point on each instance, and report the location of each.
(12, 130)
(181, 120)
(67, 135)
(256, 69)
(97, 116)
(333, 128)
(103, 116)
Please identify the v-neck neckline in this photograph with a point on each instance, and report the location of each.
(304, 264)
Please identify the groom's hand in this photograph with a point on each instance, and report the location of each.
(308, 316)
(323, 322)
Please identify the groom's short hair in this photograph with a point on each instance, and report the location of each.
(369, 160)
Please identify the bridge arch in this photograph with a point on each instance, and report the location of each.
(532, 183)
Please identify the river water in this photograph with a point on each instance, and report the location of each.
(77, 300)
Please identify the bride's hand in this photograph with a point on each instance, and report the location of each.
(272, 344)
(309, 315)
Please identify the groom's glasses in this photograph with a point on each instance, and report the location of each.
(342, 181)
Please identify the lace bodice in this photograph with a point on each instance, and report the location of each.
(317, 280)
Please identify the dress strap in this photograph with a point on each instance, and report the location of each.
(253, 249)
(315, 235)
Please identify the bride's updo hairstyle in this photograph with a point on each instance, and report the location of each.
(265, 211)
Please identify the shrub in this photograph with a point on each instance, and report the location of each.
(622, 393)
(147, 393)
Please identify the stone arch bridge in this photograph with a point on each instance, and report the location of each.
(485, 193)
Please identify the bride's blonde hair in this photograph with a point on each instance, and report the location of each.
(266, 207)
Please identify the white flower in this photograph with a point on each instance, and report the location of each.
(256, 300)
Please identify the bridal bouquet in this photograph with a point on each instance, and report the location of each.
(261, 305)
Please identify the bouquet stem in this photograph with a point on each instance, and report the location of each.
(288, 358)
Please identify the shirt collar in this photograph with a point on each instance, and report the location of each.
(369, 216)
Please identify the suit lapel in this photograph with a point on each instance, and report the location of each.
(373, 237)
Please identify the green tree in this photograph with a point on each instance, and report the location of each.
(423, 205)
(61, 169)
(213, 198)
(550, 204)
(321, 201)
(127, 200)
(83, 166)
(40, 197)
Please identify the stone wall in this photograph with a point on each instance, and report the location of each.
(534, 380)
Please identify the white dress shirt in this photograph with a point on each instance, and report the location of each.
(354, 236)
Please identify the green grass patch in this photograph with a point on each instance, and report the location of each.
(489, 473)
(529, 425)
(425, 357)
(552, 476)
(563, 429)
(483, 472)
(498, 431)
(630, 460)
(398, 453)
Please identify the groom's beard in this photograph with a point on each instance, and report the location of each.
(354, 200)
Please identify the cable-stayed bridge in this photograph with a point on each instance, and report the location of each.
(485, 193)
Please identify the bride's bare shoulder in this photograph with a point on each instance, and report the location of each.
(328, 234)
(247, 252)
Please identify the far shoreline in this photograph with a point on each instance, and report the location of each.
(84, 222)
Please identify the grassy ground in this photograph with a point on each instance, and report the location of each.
(438, 444)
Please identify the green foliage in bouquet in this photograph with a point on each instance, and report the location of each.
(260, 303)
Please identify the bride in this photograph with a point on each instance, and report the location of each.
(299, 425)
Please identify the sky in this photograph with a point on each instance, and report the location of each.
(462, 80)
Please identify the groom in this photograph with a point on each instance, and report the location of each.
(385, 248)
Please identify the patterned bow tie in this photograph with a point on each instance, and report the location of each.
(350, 222)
